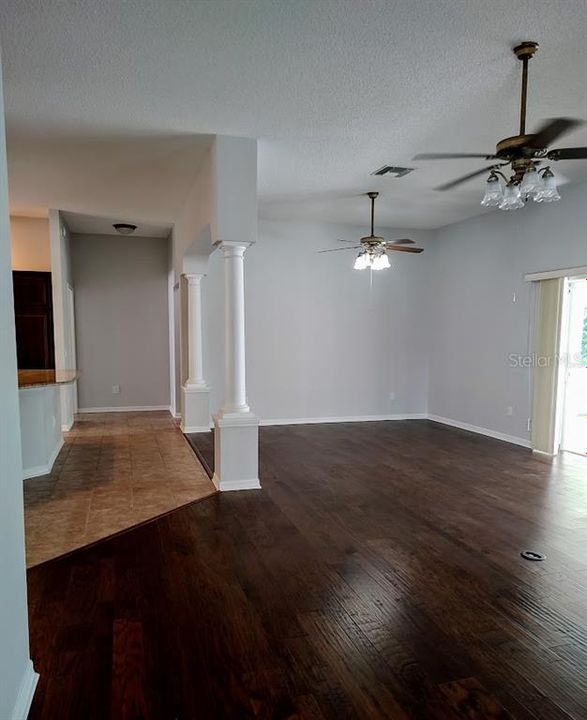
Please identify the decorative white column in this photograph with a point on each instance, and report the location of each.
(234, 329)
(195, 411)
(195, 362)
(236, 436)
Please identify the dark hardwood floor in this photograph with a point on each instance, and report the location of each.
(377, 575)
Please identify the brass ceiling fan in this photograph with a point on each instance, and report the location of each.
(373, 248)
(524, 153)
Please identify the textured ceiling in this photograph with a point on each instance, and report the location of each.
(92, 225)
(332, 88)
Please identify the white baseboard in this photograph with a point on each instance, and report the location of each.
(542, 454)
(194, 429)
(129, 408)
(513, 439)
(232, 485)
(67, 428)
(43, 469)
(349, 419)
(481, 431)
(25, 693)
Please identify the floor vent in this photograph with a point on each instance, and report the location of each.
(531, 555)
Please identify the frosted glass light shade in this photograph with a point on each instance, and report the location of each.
(363, 261)
(531, 185)
(381, 262)
(549, 191)
(512, 198)
(493, 193)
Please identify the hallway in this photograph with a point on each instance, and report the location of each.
(114, 471)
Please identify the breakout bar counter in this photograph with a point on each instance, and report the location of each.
(40, 417)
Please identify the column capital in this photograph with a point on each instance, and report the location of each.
(232, 248)
(194, 278)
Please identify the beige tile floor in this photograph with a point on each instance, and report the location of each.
(114, 471)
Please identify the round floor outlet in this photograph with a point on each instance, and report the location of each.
(531, 555)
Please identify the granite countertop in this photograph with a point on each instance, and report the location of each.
(40, 378)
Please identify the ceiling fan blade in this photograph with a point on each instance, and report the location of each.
(550, 130)
(346, 241)
(402, 248)
(464, 178)
(403, 241)
(452, 156)
(355, 247)
(577, 153)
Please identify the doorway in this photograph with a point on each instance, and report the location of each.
(574, 356)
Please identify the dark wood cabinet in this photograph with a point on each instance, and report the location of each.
(33, 309)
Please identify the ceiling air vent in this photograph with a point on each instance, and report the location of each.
(391, 170)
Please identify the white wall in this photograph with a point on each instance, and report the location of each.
(40, 424)
(191, 242)
(235, 195)
(478, 265)
(193, 226)
(64, 332)
(220, 206)
(122, 320)
(30, 244)
(320, 341)
(16, 675)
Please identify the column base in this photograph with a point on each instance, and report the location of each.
(236, 451)
(195, 408)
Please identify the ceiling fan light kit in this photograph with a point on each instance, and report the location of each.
(375, 262)
(512, 198)
(523, 153)
(373, 248)
(363, 261)
(536, 185)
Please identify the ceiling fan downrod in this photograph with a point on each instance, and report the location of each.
(524, 51)
(373, 196)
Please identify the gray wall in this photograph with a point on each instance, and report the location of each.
(477, 267)
(437, 330)
(14, 650)
(122, 320)
(320, 341)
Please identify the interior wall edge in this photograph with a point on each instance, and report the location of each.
(26, 692)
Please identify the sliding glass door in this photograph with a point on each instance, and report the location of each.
(574, 427)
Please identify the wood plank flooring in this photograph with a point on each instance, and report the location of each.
(377, 575)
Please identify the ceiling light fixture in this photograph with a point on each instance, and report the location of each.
(537, 185)
(381, 261)
(373, 248)
(363, 261)
(124, 228)
(523, 153)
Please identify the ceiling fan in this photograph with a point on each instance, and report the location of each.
(373, 248)
(524, 153)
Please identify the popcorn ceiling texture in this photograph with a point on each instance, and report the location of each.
(103, 99)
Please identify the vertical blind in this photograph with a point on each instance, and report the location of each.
(547, 336)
